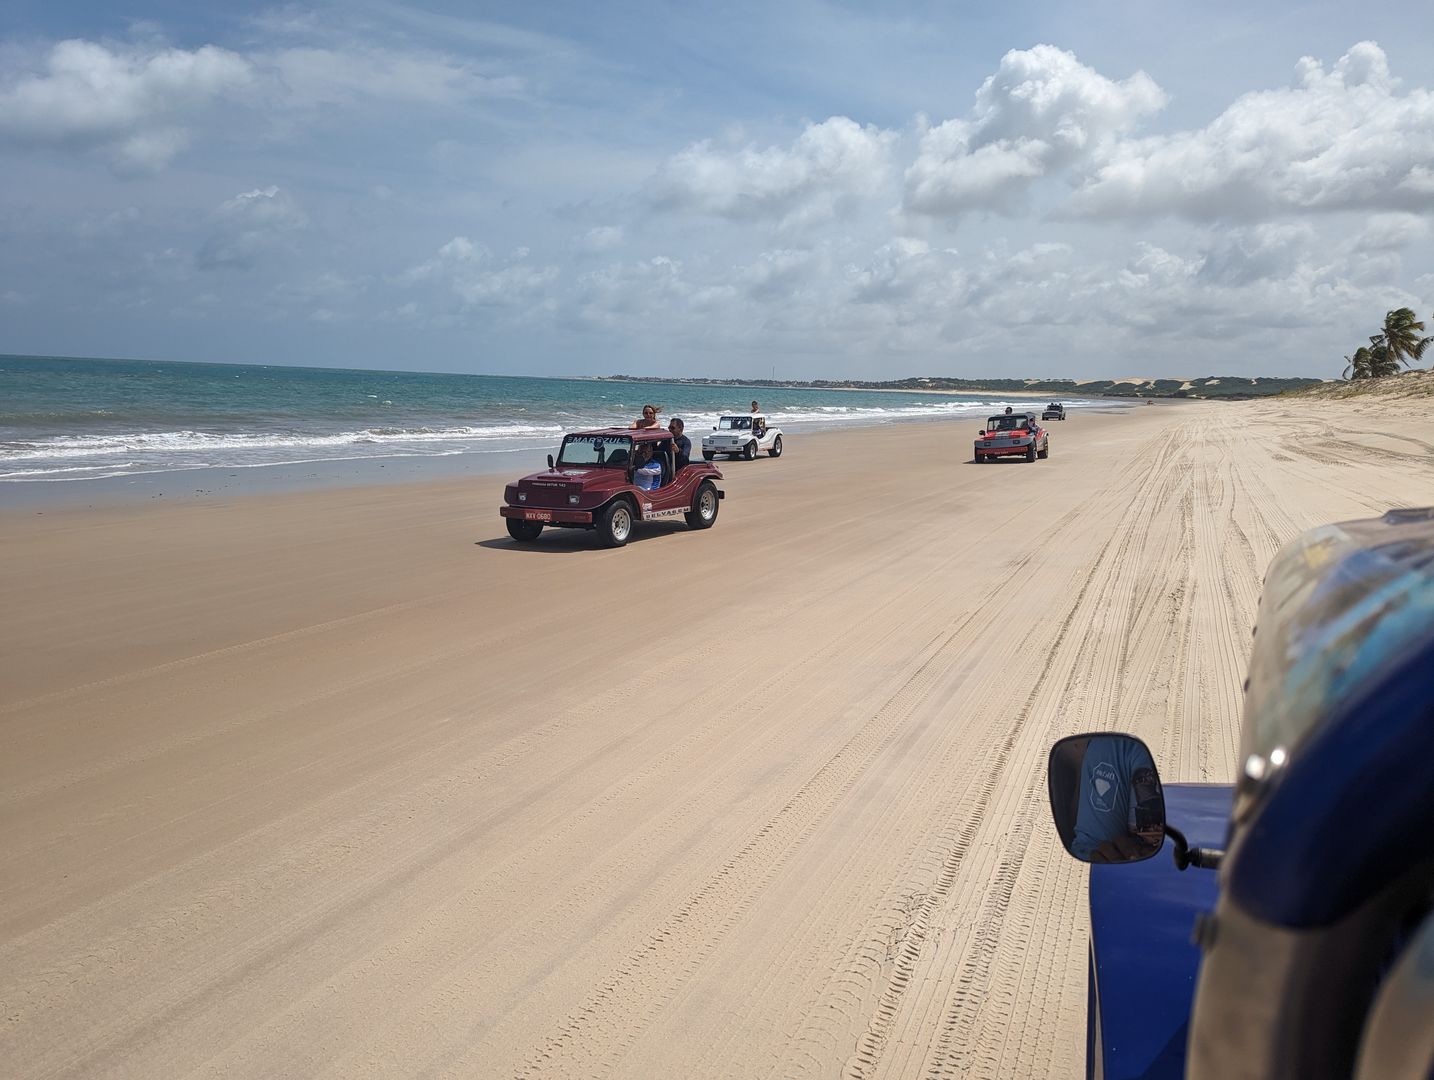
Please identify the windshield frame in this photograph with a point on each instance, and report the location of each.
(1019, 422)
(610, 442)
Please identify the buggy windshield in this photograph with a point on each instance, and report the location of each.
(1006, 423)
(612, 451)
(735, 423)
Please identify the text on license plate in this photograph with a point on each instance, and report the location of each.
(537, 515)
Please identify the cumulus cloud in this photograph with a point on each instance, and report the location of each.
(139, 103)
(1244, 256)
(1391, 232)
(1219, 298)
(250, 226)
(1342, 139)
(904, 271)
(828, 163)
(132, 103)
(1042, 111)
(472, 273)
(778, 274)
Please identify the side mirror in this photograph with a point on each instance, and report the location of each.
(1106, 798)
(982, 433)
(550, 461)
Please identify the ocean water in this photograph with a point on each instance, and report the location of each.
(79, 419)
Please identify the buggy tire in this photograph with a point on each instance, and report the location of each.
(1046, 452)
(705, 503)
(615, 526)
(522, 530)
(776, 450)
(750, 450)
(1031, 451)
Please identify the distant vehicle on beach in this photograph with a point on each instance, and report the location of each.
(1054, 411)
(1012, 435)
(743, 435)
(607, 480)
(1310, 954)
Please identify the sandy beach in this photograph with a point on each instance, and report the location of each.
(346, 783)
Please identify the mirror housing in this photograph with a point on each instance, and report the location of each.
(550, 461)
(1106, 798)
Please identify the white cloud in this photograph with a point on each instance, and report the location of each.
(624, 294)
(251, 226)
(1041, 111)
(599, 239)
(903, 271)
(808, 182)
(1244, 256)
(314, 77)
(778, 274)
(1391, 232)
(1345, 139)
(131, 102)
(469, 272)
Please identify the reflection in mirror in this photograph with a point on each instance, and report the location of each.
(1106, 798)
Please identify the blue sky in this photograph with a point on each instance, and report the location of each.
(811, 189)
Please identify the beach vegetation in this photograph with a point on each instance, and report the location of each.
(1357, 366)
(1402, 337)
(1399, 341)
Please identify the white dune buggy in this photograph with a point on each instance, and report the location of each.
(744, 435)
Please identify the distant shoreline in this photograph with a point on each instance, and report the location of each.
(875, 388)
(1217, 387)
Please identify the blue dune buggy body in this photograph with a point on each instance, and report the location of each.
(1310, 952)
(1143, 958)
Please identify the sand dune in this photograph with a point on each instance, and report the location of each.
(348, 785)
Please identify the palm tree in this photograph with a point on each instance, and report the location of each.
(1382, 360)
(1401, 337)
(1358, 367)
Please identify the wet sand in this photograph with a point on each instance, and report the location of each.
(347, 784)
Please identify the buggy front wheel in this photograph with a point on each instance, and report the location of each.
(704, 506)
(616, 524)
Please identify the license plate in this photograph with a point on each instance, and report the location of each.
(537, 515)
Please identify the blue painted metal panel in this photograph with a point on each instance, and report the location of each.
(1144, 962)
(1352, 813)
(1341, 691)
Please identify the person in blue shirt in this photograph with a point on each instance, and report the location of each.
(647, 471)
(1121, 806)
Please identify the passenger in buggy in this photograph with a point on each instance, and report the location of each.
(650, 471)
